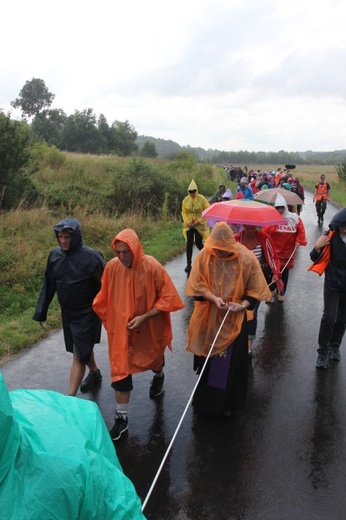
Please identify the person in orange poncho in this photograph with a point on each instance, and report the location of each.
(225, 274)
(134, 304)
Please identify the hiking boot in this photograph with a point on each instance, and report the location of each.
(91, 380)
(121, 425)
(322, 361)
(188, 268)
(334, 354)
(156, 386)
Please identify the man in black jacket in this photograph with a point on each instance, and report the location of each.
(333, 322)
(74, 272)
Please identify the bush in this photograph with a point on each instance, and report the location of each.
(43, 155)
(140, 186)
(341, 171)
(184, 168)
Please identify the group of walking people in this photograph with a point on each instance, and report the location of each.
(275, 248)
(132, 296)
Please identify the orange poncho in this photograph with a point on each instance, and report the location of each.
(127, 292)
(231, 278)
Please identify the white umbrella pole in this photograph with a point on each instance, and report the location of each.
(184, 413)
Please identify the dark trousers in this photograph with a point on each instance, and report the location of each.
(333, 322)
(212, 400)
(192, 235)
(321, 206)
(284, 278)
(252, 324)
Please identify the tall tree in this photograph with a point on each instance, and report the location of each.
(123, 138)
(49, 125)
(105, 134)
(33, 97)
(149, 149)
(14, 155)
(80, 133)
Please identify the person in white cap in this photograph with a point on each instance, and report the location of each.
(287, 238)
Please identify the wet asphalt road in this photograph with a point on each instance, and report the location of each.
(282, 458)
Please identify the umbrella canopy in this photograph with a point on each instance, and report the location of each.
(243, 212)
(270, 195)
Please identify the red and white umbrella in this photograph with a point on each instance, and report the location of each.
(243, 212)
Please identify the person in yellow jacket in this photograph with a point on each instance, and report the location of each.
(195, 227)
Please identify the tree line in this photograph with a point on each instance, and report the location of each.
(83, 131)
(86, 133)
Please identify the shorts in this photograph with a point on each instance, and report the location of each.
(124, 385)
(82, 358)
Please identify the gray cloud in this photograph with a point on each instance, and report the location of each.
(316, 74)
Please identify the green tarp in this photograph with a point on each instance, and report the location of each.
(57, 461)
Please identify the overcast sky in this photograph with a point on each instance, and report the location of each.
(256, 75)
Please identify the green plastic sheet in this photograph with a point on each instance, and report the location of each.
(57, 461)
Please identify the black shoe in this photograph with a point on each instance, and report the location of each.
(156, 386)
(91, 380)
(322, 361)
(188, 268)
(121, 425)
(334, 354)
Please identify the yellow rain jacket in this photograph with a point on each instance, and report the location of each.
(192, 212)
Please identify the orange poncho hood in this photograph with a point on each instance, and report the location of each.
(129, 237)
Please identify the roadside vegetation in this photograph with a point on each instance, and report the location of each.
(106, 194)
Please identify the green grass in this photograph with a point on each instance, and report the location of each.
(27, 240)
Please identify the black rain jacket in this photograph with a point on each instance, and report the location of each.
(75, 276)
(335, 273)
